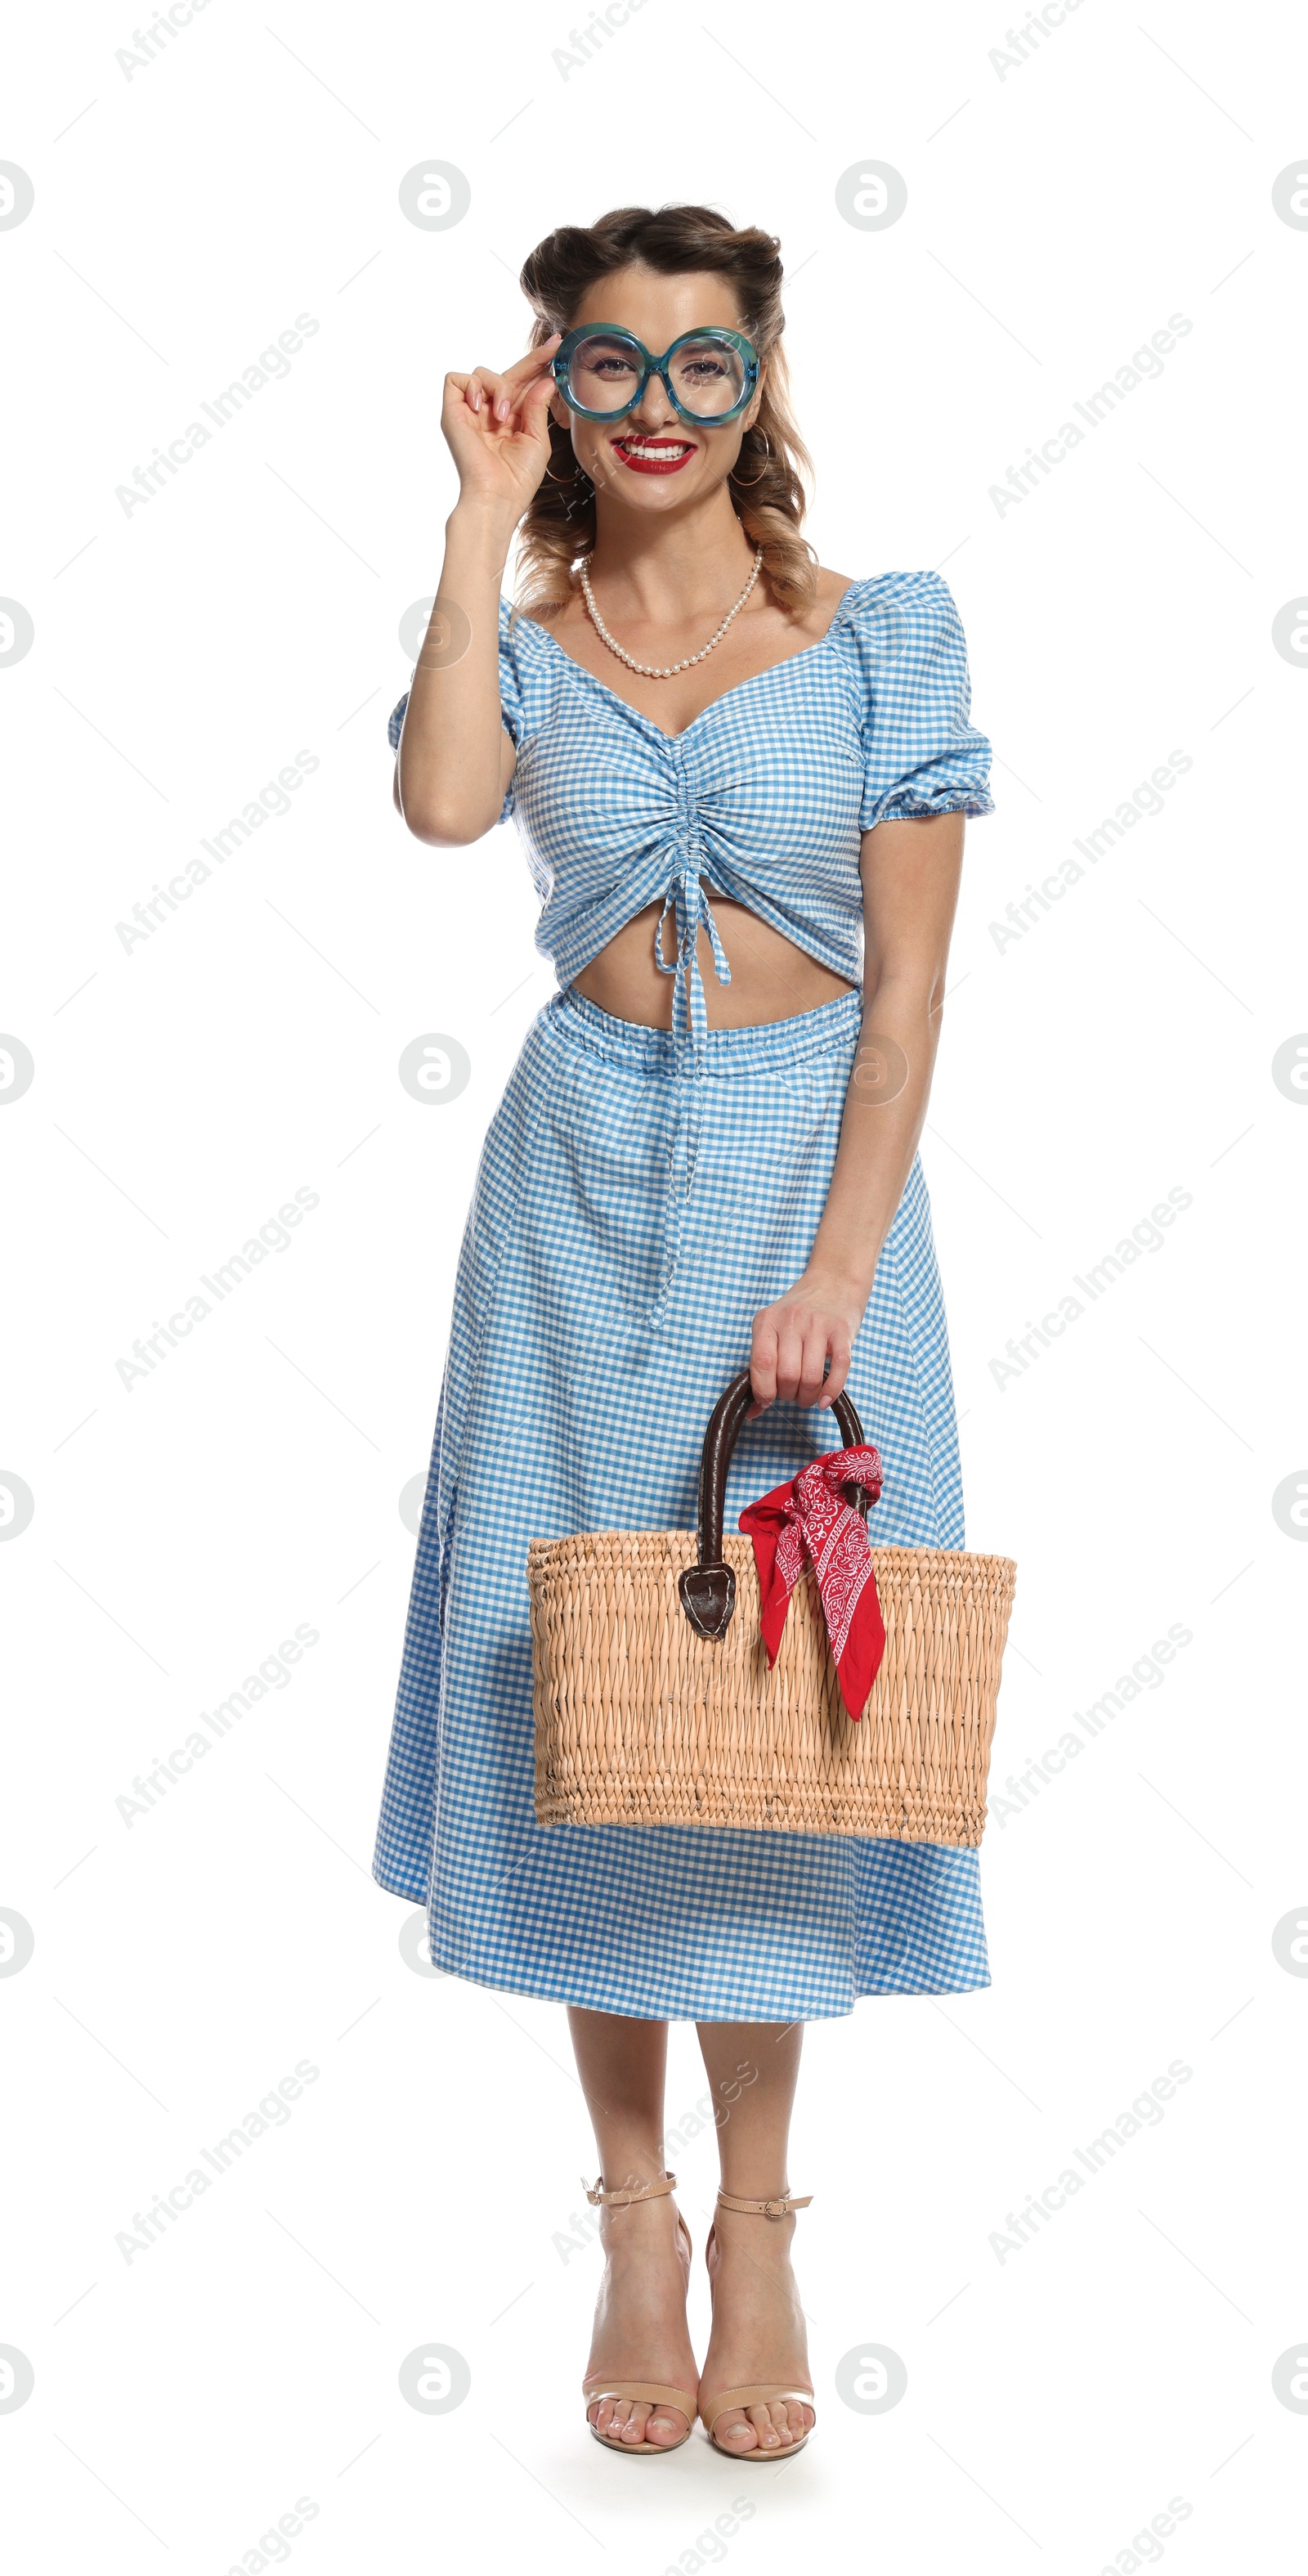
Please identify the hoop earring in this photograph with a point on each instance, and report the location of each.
(755, 478)
(578, 474)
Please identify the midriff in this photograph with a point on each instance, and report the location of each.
(771, 979)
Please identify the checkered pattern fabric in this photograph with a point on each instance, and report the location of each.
(640, 1195)
(764, 797)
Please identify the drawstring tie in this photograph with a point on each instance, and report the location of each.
(690, 906)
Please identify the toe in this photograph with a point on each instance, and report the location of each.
(800, 2420)
(665, 2427)
(638, 2415)
(761, 2417)
(735, 2431)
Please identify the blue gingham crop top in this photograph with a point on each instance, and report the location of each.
(765, 795)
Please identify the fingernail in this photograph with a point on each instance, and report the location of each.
(474, 398)
(501, 411)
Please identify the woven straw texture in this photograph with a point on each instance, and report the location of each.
(639, 1721)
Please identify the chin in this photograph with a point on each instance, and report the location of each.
(654, 491)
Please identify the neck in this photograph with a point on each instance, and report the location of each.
(675, 567)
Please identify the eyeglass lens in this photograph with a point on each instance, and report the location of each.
(708, 374)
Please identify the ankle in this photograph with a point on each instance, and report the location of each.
(631, 2168)
(748, 2237)
(630, 2231)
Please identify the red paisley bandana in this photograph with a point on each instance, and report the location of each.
(810, 1518)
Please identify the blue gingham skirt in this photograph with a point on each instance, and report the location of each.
(636, 1203)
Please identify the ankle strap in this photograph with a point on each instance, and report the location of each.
(779, 2208)
(595, 2192)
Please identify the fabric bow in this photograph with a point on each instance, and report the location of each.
(810, 1518)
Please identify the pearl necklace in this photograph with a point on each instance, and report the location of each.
(646, 670)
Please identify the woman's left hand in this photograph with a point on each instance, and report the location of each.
(794, 1339)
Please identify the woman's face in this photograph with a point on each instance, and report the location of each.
(629, 459)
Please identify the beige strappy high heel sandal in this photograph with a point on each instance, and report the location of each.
(712, 2409)
(641, 2391)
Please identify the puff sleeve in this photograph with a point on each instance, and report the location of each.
(512, 714)
(921, 752)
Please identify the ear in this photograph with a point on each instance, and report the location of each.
(558, 410)
(756, 398)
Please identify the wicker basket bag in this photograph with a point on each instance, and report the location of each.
(654, 1703)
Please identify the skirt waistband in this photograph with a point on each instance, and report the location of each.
(830, 1028)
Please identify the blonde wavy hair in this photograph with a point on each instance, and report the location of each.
(774, 466)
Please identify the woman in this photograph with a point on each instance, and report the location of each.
(715, 747)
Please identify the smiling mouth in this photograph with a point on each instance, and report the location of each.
(653, 455)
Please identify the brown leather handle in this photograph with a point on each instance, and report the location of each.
(708, 1588)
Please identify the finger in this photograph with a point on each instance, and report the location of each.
(834, 1381)
(485, 381)
(486, 390)
(525, 373)
(533, 406)
(483, 390)
(762, 1371)
(529, 416)
(790, 1362)
(541, 392)
(812, 1366)
(536, 362)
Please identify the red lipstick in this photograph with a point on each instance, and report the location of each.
(653, 455)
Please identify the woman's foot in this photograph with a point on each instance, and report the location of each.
(640, 2323)
(758, 2331)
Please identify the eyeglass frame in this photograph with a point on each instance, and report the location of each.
(652, 366)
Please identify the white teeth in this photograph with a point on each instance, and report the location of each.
(659, 454)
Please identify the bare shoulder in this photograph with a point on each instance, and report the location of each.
(830, 590)
(832, 586)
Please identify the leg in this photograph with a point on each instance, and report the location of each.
(640, 2320)
(758, 2323)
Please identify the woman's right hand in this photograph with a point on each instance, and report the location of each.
(497, 429)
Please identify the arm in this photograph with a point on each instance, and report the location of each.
(456, 759)
(910, 873)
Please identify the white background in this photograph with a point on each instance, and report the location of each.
(424, 2185)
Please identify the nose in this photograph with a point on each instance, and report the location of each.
(654, 411)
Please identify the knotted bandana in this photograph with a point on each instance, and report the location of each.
(809, 1518)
